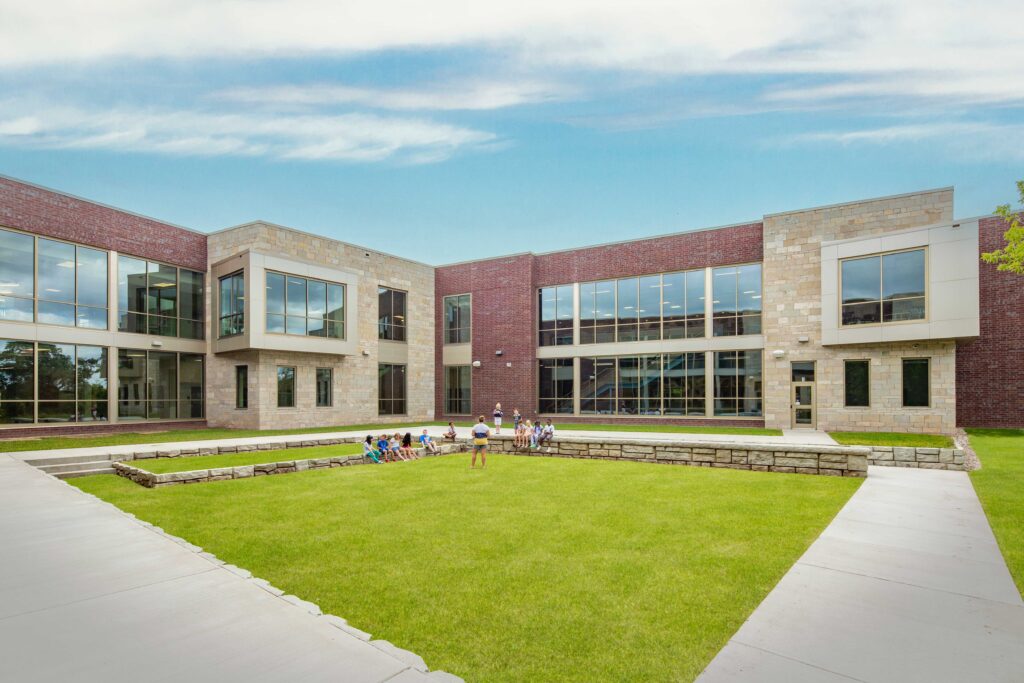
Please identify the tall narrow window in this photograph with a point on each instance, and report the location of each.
(556, 315)
(738, 383)
(391, 389)
(684, 383)
(682, 304)
(241, 387)
(857, 384)
(458, 389)
(190, 385)
(597, 312)
(598, 393)
(285, 387)
(627, 316)
(232, 304)
(736, 301)
(324, 387)
(391, 322)
(916, 389)
(457, 318)
(884, 289)
(555, 390)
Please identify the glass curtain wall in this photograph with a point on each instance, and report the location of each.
(736, 302)
(555, 388)
(667, 306)
(159, 385)
(654, 384)
(52, 383)
(304, 307)
(158, 299)
(737, 388)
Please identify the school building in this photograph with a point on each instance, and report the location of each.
(868, 315)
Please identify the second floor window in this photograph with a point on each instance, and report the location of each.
(556, 315)
(391, 322)
(883, 289)
(304, 307)
(155, 298)
(736, 302)
(232, 304)
(457, 319)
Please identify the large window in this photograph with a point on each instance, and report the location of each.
(555, 389)
(241, 387)
(659, 384)
(72, 282)
(458, 389)
(159, 385)
(916, 389)
(884, 289)
(391, 389)
(457, 319)
(232, 304)
(556, 315)
(285, 387)
(324, 387)
(52, 383)
(669, 306)
(856, 383)
(391, 322)
(304, 307)
(154, 298)
(736, 300)
(738, 383)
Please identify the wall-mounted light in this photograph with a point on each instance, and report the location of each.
(476, 364)
(803, 339)
(778, 353)
(365, 352)
(499, 352)
(157, 344)
(508, 365)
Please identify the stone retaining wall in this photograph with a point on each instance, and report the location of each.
(836, 461)
(171, 452)
(922, 458)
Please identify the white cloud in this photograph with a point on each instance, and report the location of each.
(346, 137)
(440, 97)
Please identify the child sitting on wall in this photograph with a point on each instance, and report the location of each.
(407, 449)
(369, 451)
(385, 448)
(428, 443)
(450, 434)
(395, 446)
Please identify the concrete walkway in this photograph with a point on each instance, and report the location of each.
(89, 593)
(906, 584)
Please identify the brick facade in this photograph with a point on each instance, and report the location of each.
(52, 214)
(989, 381)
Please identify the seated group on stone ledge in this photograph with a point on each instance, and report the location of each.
(397, 447)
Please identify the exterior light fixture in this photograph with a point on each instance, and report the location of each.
(803, 339)
(476, 364)
(499, 352)
(778, 353)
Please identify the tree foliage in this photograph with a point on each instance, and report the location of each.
(1010, 257)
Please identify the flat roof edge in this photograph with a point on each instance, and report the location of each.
(866, 200)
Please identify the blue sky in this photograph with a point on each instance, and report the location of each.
(448, 131)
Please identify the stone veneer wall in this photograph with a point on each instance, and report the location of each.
(921, 458)
(836, 461)
(792, 308)
(355, 377)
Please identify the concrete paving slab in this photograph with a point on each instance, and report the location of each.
(737, 661)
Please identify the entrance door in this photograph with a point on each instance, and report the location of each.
(804, 415)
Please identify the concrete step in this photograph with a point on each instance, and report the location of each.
(63, 459)
(59, 467)
(84, 473)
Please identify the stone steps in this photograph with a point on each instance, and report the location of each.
(100, 468)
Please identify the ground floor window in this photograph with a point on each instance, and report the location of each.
(555, 391)
(659, 384)
(52, 383)
(857, 385)
(458, 389)
(391, 389)
(916, 390)
(324, 387)
(241, 387)
(737, 383)
(285, 386)
(159, 385)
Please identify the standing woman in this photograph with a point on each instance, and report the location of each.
(480, 434)
(497, 418)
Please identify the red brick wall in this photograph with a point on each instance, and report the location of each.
(505, 306)
(51, 214)
(989, 376)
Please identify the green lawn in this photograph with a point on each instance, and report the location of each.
(205, 434)
(534, 569)
(205, 462)
(892, 439)
(1000, 485)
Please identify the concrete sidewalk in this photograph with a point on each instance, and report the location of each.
(906, 584)
(89, 593)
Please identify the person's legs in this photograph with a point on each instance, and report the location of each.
(472, 464)
(483, 458)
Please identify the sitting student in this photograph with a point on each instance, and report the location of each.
(546, 434)
(450, 434)
(407, 449)
(396, 447)
(427, 443)
(521, 439)
(369, 451)
(538, 430)
(385, 448)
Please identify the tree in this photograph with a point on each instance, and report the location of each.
(1010, 257)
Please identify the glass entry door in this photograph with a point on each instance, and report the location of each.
(804, 415)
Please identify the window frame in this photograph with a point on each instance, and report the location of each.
(468, 399)
(330, 387)
(147, 399)
(404, 401)
(388, 333)
(200, 322)
(239, 315)
(326, 319)
(557, 362)
(881, 288)
(241, 387)
(468, 327)
(739, 398)
(295, 386)
(846, 396)
(903, 379)
(554, 328)
(737, 316)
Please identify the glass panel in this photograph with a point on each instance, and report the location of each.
(398, 301)
(564, 315)
(748, 324)
(191, 299)
(51, 313)
(695, 293)
(802, 371)
(649, 312)
(336, 302)
(190, 329)
(695, 383)
(803, 416)
(190, 393)
(749, 383)
(275, 323)
(17, 264)
(627, 292)
(802, 395)
(673, 305)
(17, 372)
(286, 387)
(163, 291)
(92, 411)
(162, 383)
(324, 383)
(724, 327)
(92, 318)
(131, 378)
(860, 314)
(16, 412)
(903, 275)
(857, 384)
(384, 319)
(165, 327)
(724, 283)
(163, 410)
(91, 274)
(296, 297)
(862, 280)
(903, 309)
(57, 380)
(316, 299)
(15, 309)
(465, 318)
(457, 389)
(275, 294)
(131, 294)
(56, 272)
(650, 385)
(57, 411)
(915, 383)
(92, 375)
(295, 325)
(749, 296)
(241, 386)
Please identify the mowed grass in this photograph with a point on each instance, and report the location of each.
(207, 433)
(1000, 485)
(892, 439)
(534, 569)
(205, 462)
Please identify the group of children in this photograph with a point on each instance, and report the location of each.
(533, 435)
(396, 448)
